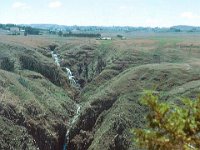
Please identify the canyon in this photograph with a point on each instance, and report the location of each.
(82, 93)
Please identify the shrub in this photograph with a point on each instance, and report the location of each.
(170, 127)
(23, 82)
(7, 64)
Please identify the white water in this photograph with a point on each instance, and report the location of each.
(56, 59)
(77, 114)
(69, 73)
(71, 123)
(71, 77)
(78, 107)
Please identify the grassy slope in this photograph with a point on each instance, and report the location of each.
(111, 100)
(126, 112)
(36, 110)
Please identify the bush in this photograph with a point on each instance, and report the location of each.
(7, 64)
(23, 82)
(170, 127)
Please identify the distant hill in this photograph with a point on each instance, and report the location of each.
(46, 26)
(181, 28)
(97, 29)
(186, 28)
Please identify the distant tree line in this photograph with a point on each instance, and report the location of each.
(82, 35)
(70, 34)
(27, 29)
(8, 26)
(172, 29)
(31, 31)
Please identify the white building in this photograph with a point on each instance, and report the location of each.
(15, 30)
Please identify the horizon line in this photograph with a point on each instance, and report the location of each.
(102, 25)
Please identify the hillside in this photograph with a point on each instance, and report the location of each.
(39, 103)
(36, 100)
(111, 100)
(114, 29)
(187, 28)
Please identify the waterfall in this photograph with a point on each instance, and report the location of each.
(71, 123)
(69, 73)
(71, 77)
(78, 107)
(56, 59)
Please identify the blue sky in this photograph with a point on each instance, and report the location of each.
(162, 13)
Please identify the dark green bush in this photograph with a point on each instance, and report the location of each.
(7, 64)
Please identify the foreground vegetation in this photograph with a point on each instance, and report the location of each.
(170, 126)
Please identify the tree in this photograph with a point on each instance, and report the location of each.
(170, 127)
(120, 36)
(32, 31)
(60, 33)
(25, 33)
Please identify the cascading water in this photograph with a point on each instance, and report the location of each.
(71, 77)
(56, 59)
(71, 123)
(69, 73)
(78, 107)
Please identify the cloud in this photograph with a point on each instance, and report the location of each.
(55, 4)
(190, 15)
(19, 5)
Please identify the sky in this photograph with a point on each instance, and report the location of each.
(146, 13)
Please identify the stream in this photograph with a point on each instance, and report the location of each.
(78, 107)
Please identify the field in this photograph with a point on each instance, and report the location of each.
(37, 100)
